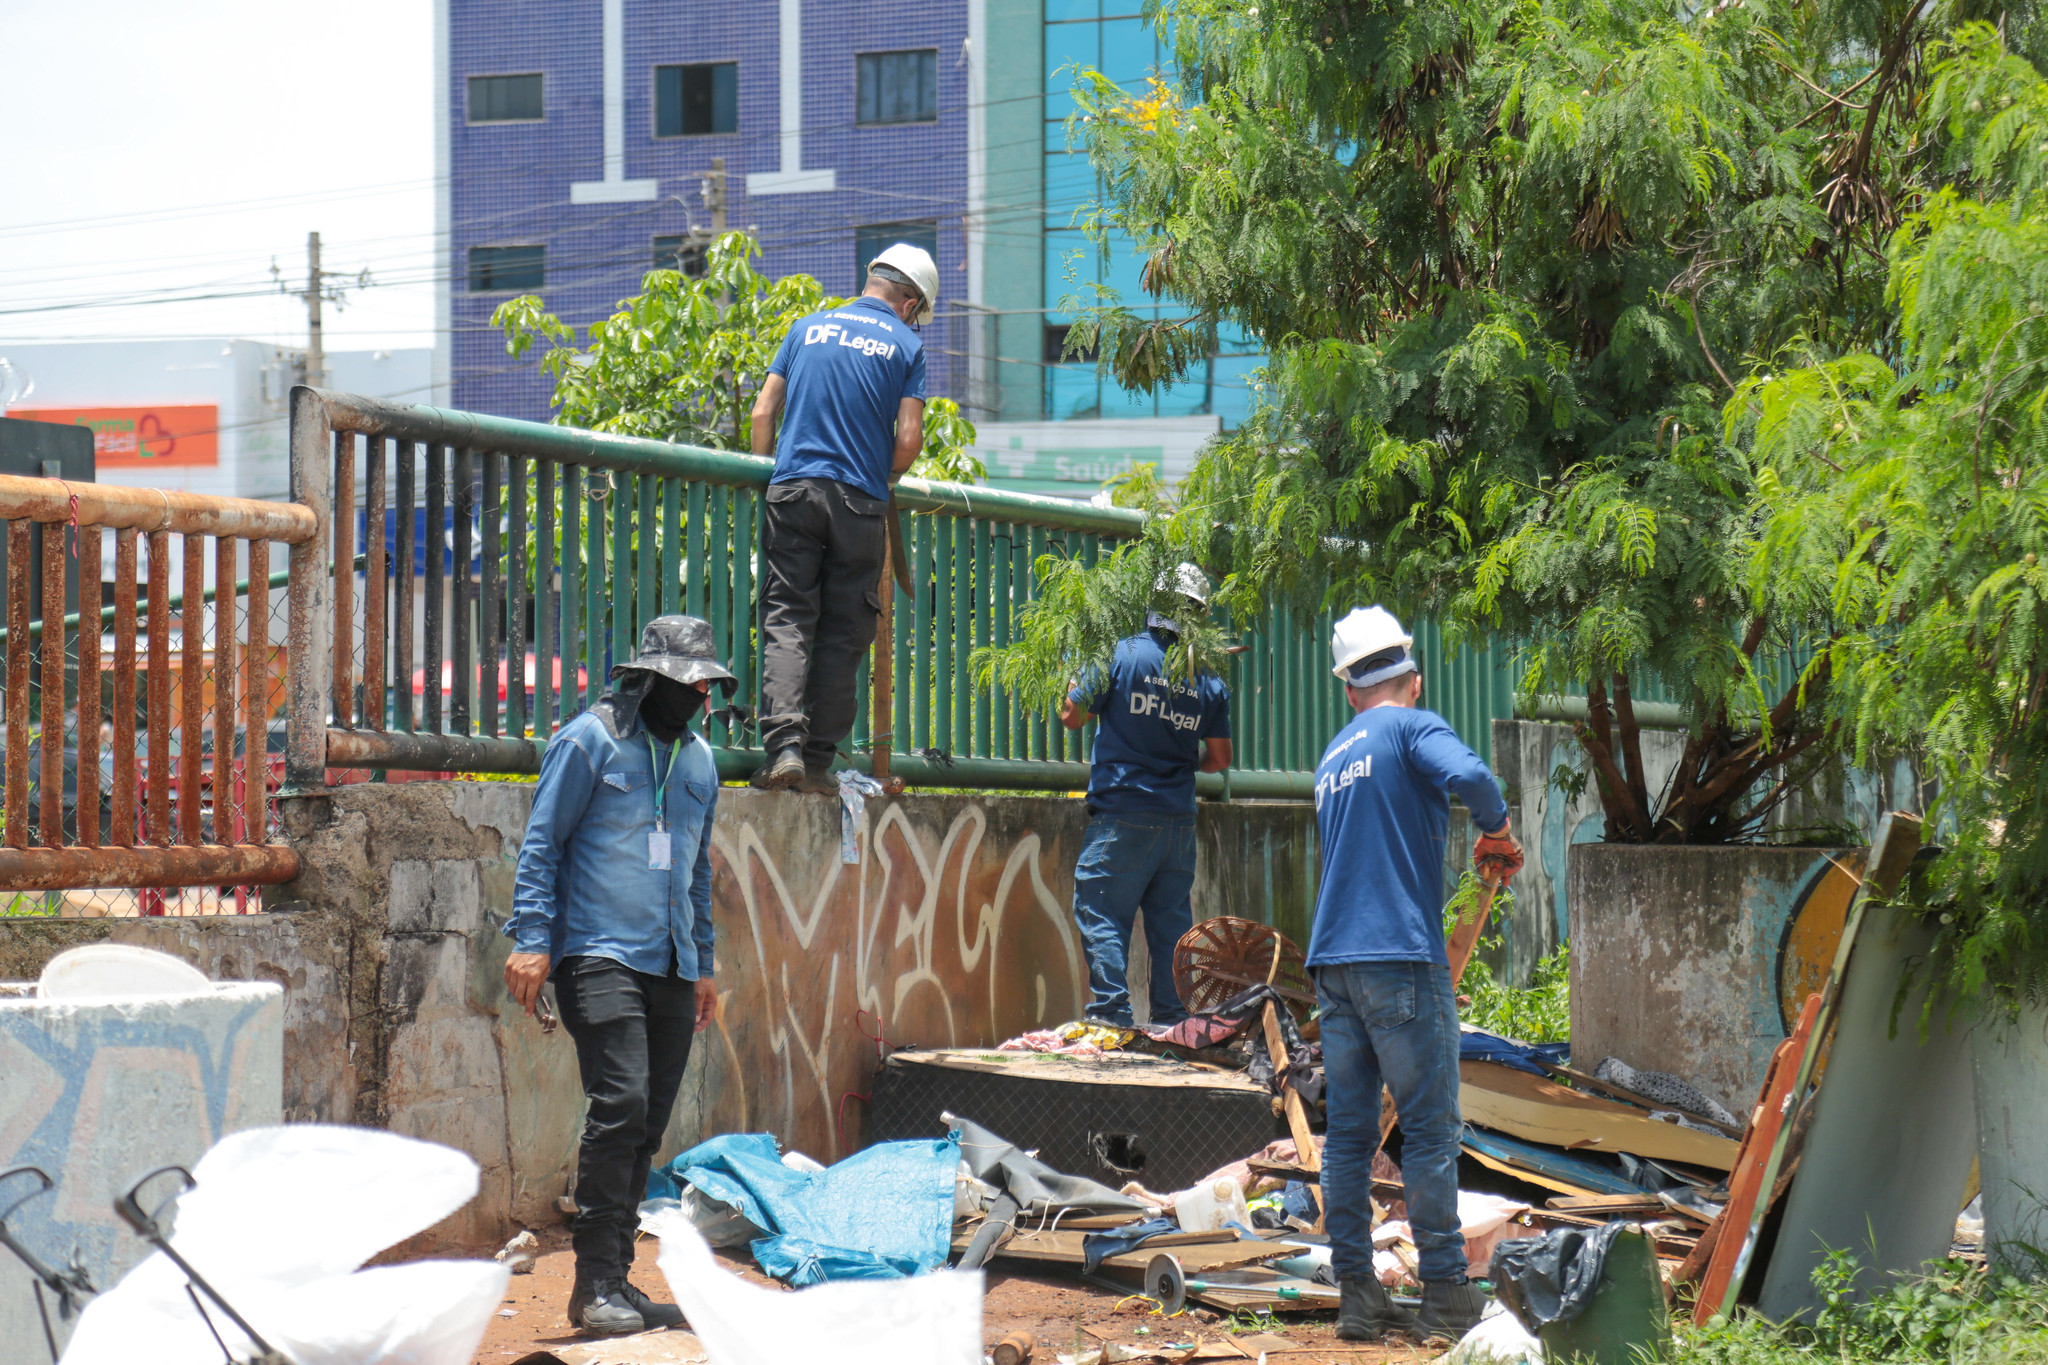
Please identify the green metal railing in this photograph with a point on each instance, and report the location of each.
(505, 565)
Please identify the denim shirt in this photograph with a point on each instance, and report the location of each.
(584, 886)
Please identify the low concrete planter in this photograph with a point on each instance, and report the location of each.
(2010, 1059)
(1692, 960)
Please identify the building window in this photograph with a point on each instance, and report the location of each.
(872, 240)
(899, 87)
(499, 269)
(690, 101)
(680, 251)
(504, 99)
(1056, 346)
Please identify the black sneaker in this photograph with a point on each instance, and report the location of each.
(599, 1308)
(1366, 1312)
(783, 770)
(1450, 1310)
(818, 782)
(652, 1313)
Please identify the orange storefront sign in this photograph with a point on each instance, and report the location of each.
(138, 438)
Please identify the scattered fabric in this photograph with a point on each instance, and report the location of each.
(1477, 1045)
(1098, 1247)
(1199, 1031)
(1664, 1088)
(1553, 1277)
(1498, 1340)
(885, 1210)
(1078, 1039)
(854, 790)
(1486, 1220)
(1038, 1189)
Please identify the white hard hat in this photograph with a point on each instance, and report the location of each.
(1187, 580)
(915, 264)
(1369, 646)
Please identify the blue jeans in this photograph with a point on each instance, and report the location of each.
(1394, 1023)
(1129, 862)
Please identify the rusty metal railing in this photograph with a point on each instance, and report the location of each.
(162, 820)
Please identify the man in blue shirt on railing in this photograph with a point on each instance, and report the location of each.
(612, 901)
(1157, 732)
(849, 383)
(1382, 976)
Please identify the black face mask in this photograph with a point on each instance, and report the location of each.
(668, 707)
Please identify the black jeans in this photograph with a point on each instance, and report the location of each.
(632, 1033)
(820, 599)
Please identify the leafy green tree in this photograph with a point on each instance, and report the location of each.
(1508, 260)
(682, 360)
(1912, 480)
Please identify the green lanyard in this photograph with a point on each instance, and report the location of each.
(661, 779)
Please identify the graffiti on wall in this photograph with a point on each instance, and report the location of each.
(953, 930)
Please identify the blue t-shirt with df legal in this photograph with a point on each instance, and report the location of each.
(1149, 743)
(1383, 812)
(848, 369)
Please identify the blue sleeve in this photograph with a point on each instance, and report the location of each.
(785, 355)
(1447, 762)
(1091, 691)
(1216, 710)
(913, 382)
(567, 777)
(703, 933)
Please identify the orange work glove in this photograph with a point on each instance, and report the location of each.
(1497, 857)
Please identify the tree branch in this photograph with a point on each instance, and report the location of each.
(1632, 747)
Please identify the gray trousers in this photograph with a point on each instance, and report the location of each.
(820, 597)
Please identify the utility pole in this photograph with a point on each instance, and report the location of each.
(319, 289)
(714, 194)
(316, 352)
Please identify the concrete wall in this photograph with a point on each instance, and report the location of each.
(97, 1093)
(955, 929)
(1689, 960)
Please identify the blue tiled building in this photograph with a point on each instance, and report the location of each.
(576, 138)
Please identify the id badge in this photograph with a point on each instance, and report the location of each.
(657, 850)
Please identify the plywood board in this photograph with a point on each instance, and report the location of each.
(1539, 1110)
(1882, 1170)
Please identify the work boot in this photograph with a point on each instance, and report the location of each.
(1450, 1309)
(598, 1306)
(784, 769)
(1366, 1312)
(818, 782)
(652, 1313)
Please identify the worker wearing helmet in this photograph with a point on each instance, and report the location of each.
(849, 386)
(1389, 1014)
(1138, 852)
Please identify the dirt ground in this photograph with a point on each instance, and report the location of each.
(1064, 1315)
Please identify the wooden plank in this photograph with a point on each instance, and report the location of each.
(1608, 1203)
(1118, 1068)
(1305, 1149)
(1521, 1173)
(1227, 1251)
(1622, 1094)
(1539, 1110)
(1465, 937)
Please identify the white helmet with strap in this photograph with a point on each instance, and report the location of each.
(914, 266)
(1369, 647)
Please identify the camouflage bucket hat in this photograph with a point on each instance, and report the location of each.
(678, 647)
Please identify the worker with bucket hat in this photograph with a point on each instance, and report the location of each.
(849, 385)
(1388, 1009)
(1138, 852)
(611, 902)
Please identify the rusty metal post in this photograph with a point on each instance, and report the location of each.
(89, 686)
(344, 533)
(192, 693)
(122, 819)
(309, 656)
(375, 591)
(223, 690)
(256, 697)
(17, 683)
(156, 714)
(53, 685)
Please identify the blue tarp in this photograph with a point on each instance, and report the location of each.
(1477, 1045)
(882, 1213)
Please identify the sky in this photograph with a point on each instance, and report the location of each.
(156, 159)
